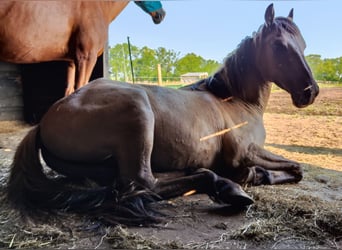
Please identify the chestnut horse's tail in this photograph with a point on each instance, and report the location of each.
(29, 189)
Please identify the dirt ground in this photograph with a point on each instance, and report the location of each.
(304, 215)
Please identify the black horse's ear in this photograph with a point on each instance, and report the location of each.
(290, 16)
(269, 15)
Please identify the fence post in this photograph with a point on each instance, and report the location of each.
(130, 58)
(160, 81)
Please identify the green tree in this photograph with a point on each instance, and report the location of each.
(167, 59)
(325, 69)
(119, 62)
(194, 63)
(339, 68)
(189, 63)
(329, 73)
(145, 65)
(315, 63)
(211, 66)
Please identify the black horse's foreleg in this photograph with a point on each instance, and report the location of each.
(220, 189)
(268, 168)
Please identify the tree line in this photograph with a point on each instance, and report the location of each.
(325, 69)
(145, 61)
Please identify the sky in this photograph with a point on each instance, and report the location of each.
(214, 28)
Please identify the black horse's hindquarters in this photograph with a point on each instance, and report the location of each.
(103, 173)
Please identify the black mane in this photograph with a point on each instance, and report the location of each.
(227, 81)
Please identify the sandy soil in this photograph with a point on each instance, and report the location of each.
(312, 137)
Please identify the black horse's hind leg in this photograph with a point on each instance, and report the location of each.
(265, 167)
(220, 189)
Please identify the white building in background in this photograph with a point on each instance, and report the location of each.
(193, 76)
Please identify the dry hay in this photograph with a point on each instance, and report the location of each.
(120, 238)
(65, 230)
(12, 126)
(280, 214)
(17, 233)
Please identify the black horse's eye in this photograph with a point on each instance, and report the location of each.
(279, 47)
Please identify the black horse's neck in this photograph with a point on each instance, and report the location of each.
(218, 86)
(239, 76)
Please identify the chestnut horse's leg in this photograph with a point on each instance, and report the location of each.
(80, 75)
(85, 64)
(268, 168)
(71, 72)
(220, 189)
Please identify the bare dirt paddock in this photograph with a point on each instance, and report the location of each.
(305, 215)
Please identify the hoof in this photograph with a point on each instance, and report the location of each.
(241, 200)
(232, 193)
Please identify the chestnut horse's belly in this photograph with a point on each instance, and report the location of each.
(33, 55)
(21, 48)
(35, 31)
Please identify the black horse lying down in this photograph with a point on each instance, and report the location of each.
(211, 134)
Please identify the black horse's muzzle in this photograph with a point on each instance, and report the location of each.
(306, 96)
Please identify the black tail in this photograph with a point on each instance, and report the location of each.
(29, 188)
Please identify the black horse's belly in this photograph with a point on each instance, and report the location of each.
(103, 172)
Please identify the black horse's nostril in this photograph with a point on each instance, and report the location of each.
(312, 90)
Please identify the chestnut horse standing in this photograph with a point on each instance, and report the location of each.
(207, 137)
(73, 31)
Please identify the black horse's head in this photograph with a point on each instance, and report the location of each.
(280, 58)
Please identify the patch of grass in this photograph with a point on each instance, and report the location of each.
(329, 85)
(175, 86)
